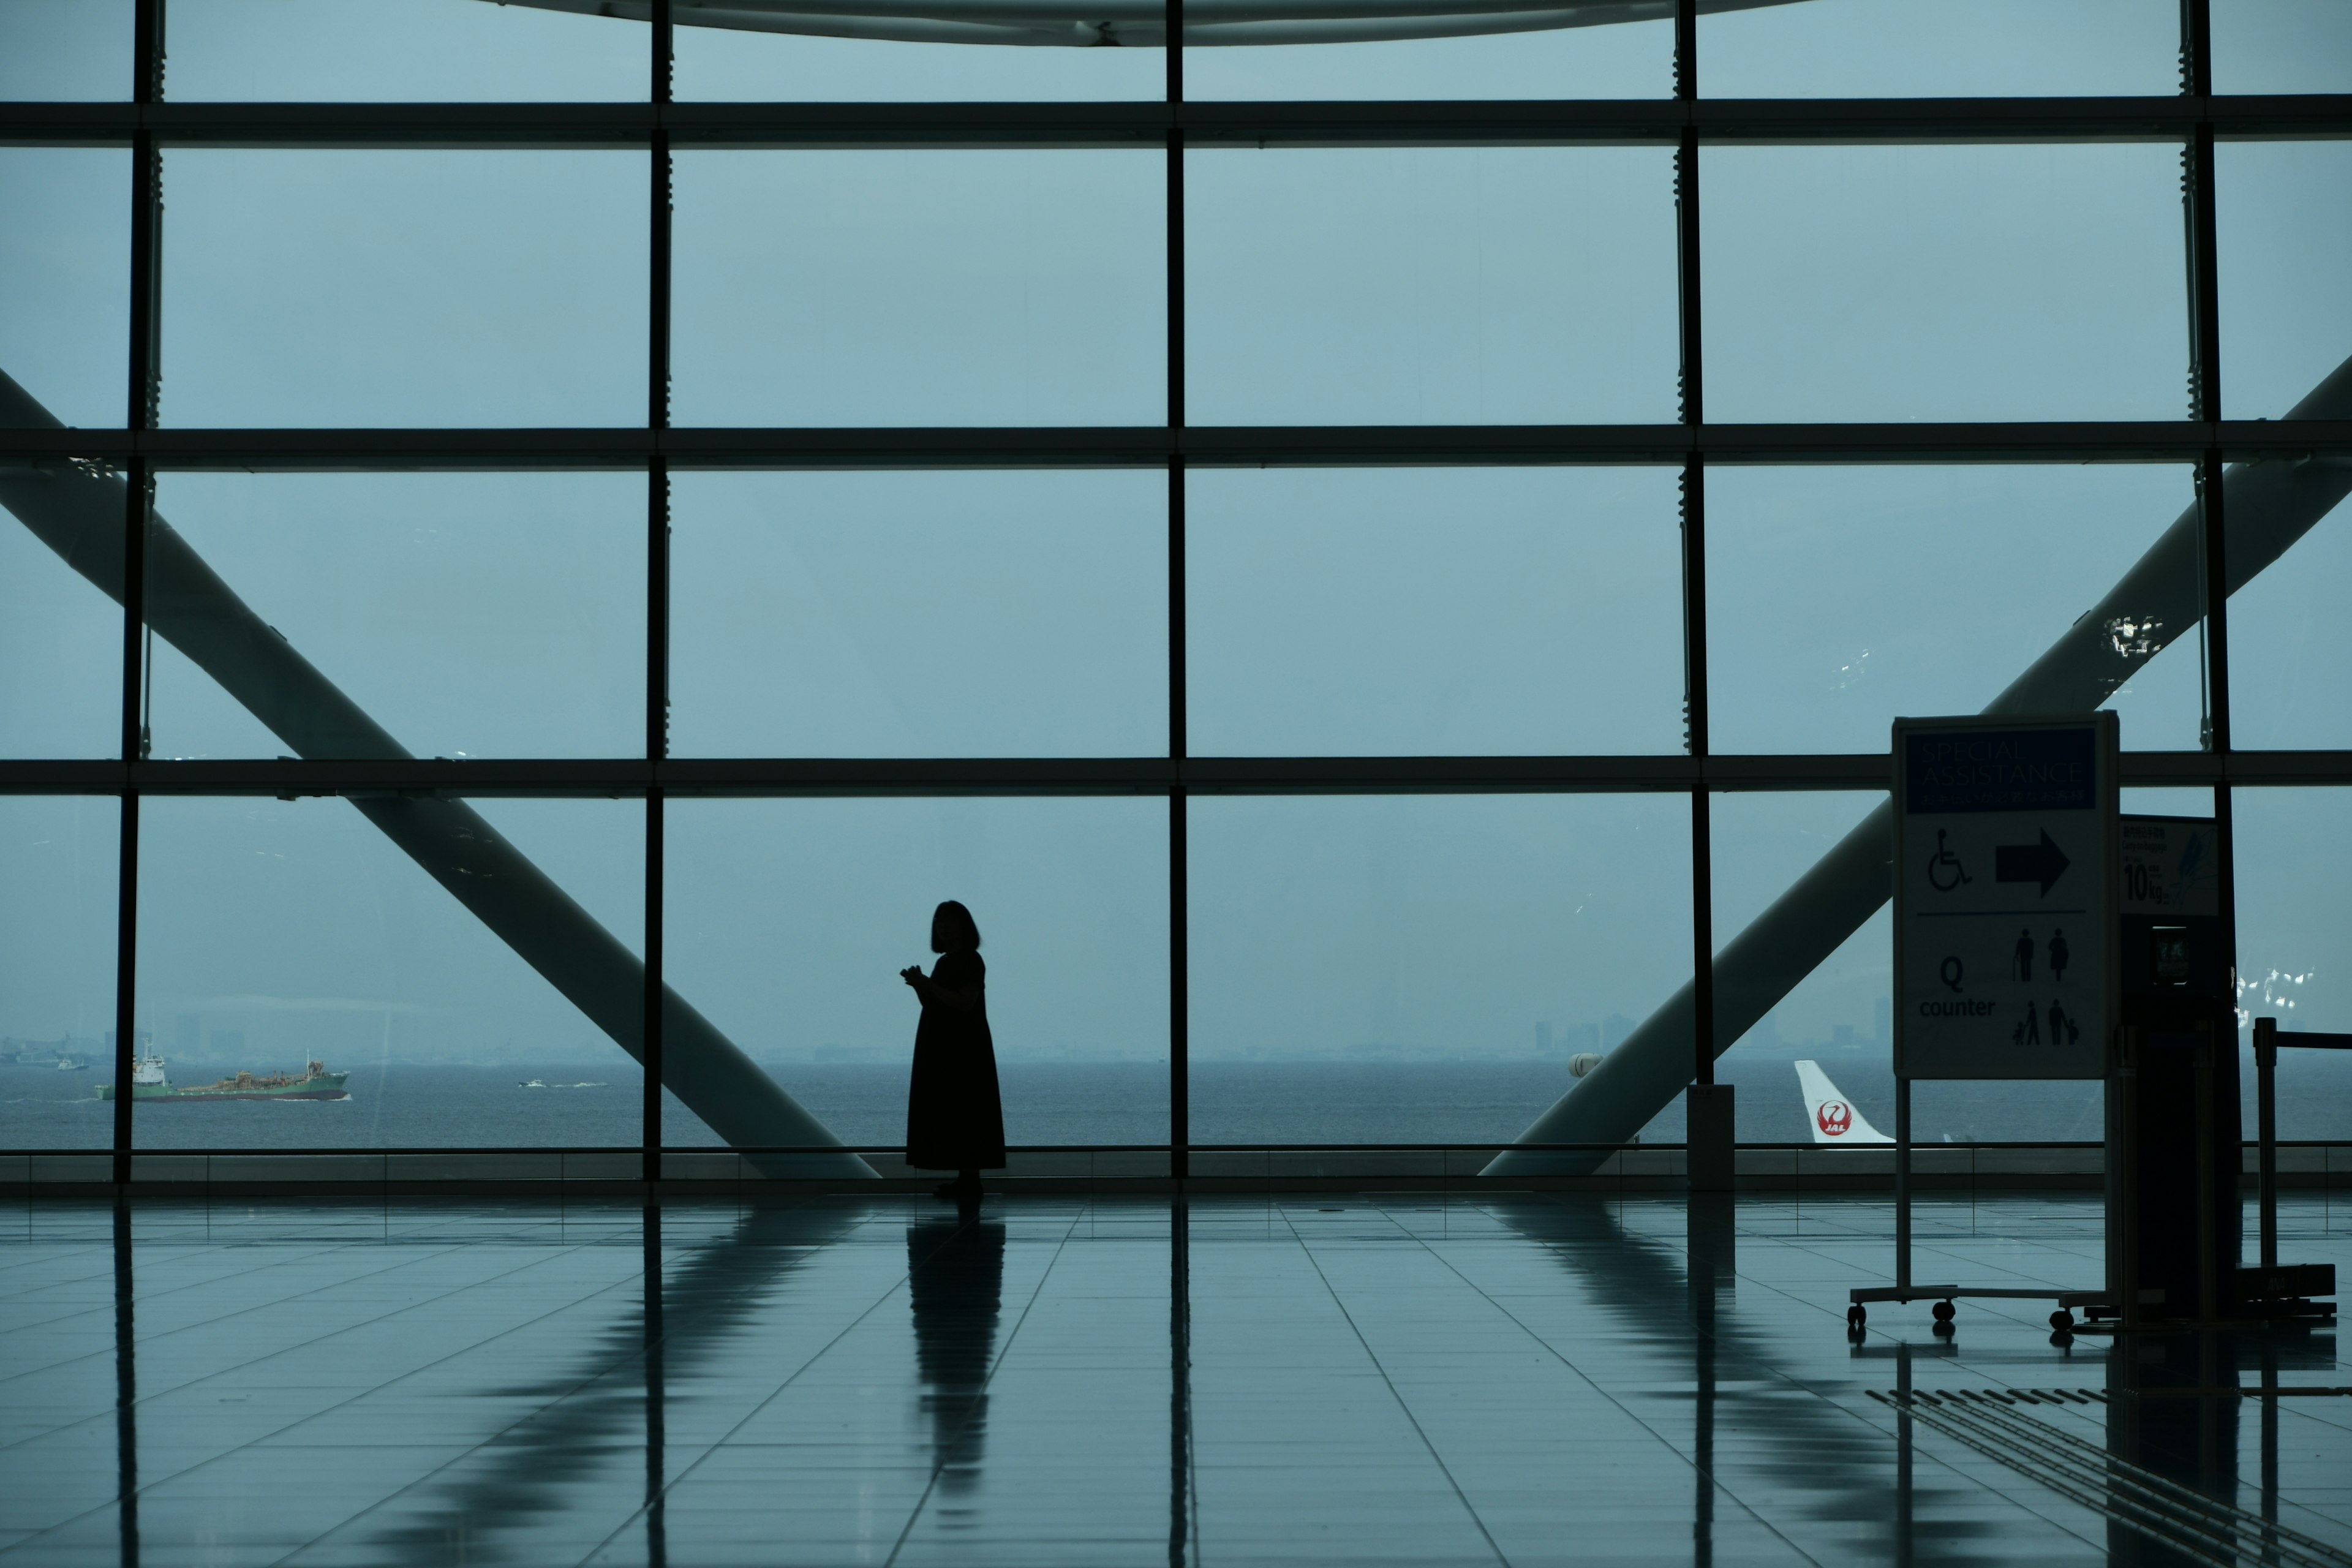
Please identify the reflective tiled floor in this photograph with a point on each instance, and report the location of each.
(1388, 1380)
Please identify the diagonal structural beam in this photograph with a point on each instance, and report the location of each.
(2269, 506)
(79, 513)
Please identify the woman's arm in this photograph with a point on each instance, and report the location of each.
(959, 1000)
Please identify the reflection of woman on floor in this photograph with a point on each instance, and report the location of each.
(955, 1283)
(955, 1118)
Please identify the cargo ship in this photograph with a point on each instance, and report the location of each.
(148, 1081)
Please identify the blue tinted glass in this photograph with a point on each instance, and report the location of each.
(469, 615)
(892, 288)
(1422, 969)
(416, 50)
(273, 934)
(868, 615)
(2285, 215)
(58, 49)
(2281, 45)
(897, 65)
(787, 921)
(57, 860)
(1388, 286)
(1839, 598)
(1615, 59)
(60, 631)
(2294, 873)
(1432, 610)
(2290, 647)
(1973, 283)
(65, 281)
(1934, 48)
(404, 288)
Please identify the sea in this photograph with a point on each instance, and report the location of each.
(407, 1105)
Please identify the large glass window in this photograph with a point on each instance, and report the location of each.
(60, 629)
(1841, 598)
(413, 52)
(466, 615)
(1388, 969)
(1361, 286)
(903, 287)
(892, 615)
(65, 261)
(1944, 283)
(789, 921)
(1903, 48)
(1244, 542)
(1421, 611)
(374, 288)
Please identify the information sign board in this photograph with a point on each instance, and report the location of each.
(2005, 870)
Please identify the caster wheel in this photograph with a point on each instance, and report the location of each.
(1943, 1312)
(2061, 1321)
(1856, 1318)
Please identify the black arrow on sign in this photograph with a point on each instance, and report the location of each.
(2044, 863)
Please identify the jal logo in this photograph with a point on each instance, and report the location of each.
(1836, 1118)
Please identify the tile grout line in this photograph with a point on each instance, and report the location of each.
(1405, 1409)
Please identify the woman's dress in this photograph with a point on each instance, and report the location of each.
(955, 1116)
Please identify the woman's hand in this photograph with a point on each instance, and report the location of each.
(913, 975)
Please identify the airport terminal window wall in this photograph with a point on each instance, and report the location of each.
(1358, 559)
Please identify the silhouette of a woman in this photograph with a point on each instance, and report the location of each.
(955, 1118)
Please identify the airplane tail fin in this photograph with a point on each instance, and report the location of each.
(1833, 1116)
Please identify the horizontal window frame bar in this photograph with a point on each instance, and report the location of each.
(1144, 124)
(1113, 447)
(291, 778)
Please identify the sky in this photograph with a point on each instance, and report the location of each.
(1332, 612)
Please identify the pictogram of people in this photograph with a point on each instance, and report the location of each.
(2058, 955)
(2060, 1023)
(2029, 1033)
(2022, 964)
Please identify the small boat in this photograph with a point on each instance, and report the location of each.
(73, 1064)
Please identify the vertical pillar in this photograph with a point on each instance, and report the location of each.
(657, 316)
(1179, 1066)
(126, 1391)
(1710, 1124)
(142, 382)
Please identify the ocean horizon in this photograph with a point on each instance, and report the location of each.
(595, 1104)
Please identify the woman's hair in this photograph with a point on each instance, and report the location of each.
(953, 929)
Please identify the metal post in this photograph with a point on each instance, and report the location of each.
(2209, 1284)
(1902, 1181)
(2266, 1133)
(657, 352)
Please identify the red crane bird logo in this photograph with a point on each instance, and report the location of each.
(1836, 1116)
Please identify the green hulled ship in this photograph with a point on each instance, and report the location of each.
(148, 1081)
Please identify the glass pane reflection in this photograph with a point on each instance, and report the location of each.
(54, 51)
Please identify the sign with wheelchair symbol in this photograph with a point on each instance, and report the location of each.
(2005, 860)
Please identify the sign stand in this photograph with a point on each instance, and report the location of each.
(2005, 944)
